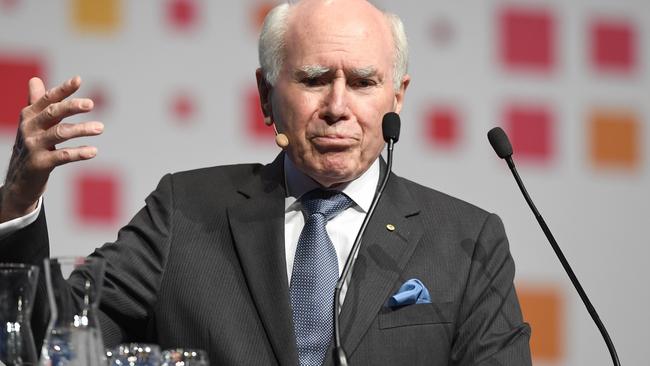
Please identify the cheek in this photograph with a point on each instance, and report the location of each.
(373, 146)
(295, 110)
(370, 119)
(370, 123)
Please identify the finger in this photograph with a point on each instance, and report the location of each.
(54, 113)
(55, 94)
(52, 159)
(63, 132)
(36, 90)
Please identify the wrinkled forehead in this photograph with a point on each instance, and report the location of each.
(354, 33)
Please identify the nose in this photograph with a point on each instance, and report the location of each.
(335, 102)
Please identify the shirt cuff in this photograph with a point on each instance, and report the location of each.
(11, 226)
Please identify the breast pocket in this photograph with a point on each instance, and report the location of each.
(417, 314)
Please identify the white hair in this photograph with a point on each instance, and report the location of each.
(272, 44)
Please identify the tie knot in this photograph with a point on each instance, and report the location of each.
(326, 203)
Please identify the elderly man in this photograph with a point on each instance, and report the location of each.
(231, 259)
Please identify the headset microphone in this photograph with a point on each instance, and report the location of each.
(280, 139)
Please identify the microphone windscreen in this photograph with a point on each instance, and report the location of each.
(500, 143)
(390, 126)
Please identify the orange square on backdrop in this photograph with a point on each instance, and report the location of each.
(96, 15)
(258, 14)
(543, 309)
(614, 138)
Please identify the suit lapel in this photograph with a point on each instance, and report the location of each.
(382, 256)
(257, 225)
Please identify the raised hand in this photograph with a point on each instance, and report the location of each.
(35, 154)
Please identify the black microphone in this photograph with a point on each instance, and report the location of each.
(390, 126)
(501, 145)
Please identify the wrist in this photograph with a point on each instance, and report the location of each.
(11, 206)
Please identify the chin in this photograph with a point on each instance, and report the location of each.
(335, 172)
(332, 167)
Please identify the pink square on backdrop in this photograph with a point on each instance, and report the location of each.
(530, 128)
(613, 46)
(97, 198)
(527, 38)
(182, 14)
(8, 5)
(443, 126)
(15, 72)
(183, 106)
(100, 98)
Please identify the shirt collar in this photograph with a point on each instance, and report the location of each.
(361, 190)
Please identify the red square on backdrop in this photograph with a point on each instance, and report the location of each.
(255, 118)
(15, 73)
(443, 126)
(613, 46)
(530, 129)
(97, 198)
(527, 38)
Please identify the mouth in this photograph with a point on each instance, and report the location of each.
(333, 142)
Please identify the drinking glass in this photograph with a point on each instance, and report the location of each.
(17, 290)
(73, 336)
(185, 357)
(135, 354)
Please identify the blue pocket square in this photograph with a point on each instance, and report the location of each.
(411, 292)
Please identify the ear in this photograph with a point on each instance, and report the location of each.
(399, 95)
(264, 90)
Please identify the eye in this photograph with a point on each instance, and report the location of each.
(363, 83)
(313, 82)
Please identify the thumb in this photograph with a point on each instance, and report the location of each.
(36, 89)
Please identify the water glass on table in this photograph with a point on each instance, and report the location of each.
(135, 354)
(185, 357)
(73, 337)
(17, 289)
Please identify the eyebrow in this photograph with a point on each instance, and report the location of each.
(364, 72)
(312, 71)
(315, 71)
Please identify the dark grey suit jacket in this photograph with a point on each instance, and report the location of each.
(203, 265)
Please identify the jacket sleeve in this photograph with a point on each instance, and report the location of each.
(491, 330)
(30, 245)
(135, 265)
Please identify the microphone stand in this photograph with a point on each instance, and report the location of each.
(565, 263)
(340, 358)
(501, 145)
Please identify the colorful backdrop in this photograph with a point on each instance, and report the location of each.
(173, 80)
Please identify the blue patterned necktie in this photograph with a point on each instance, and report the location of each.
(315, 272)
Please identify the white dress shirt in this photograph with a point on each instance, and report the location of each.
(343, 228)
(18, 223)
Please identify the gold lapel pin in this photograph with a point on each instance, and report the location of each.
(390, 227)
